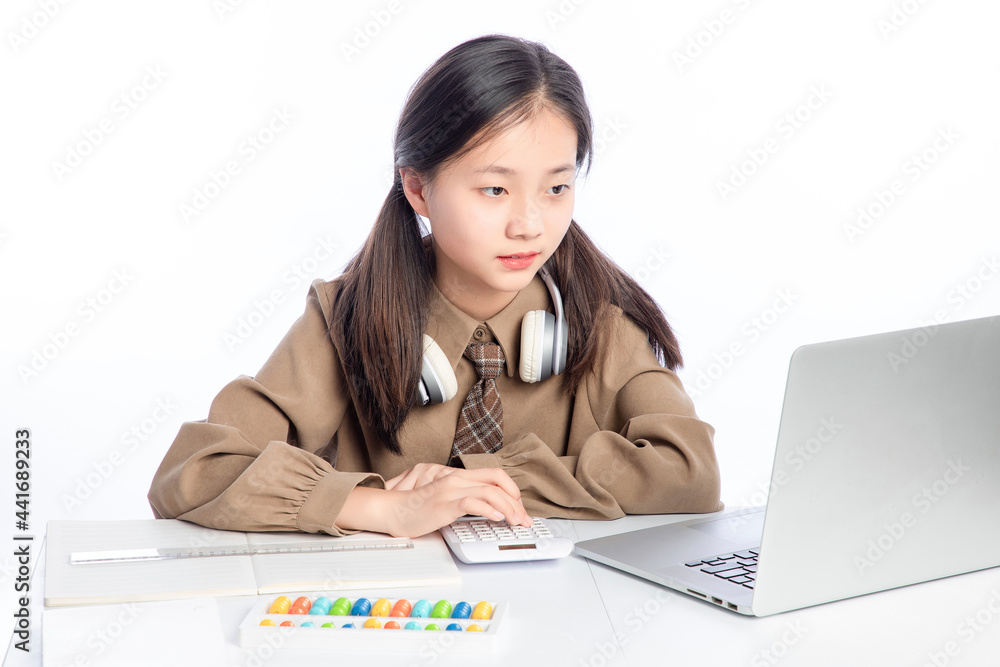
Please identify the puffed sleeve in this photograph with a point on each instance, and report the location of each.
(636, 445)
(257, 462)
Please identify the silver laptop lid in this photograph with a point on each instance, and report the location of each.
(887, 466)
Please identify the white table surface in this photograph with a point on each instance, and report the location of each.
(578, 613)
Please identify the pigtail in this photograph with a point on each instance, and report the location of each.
(379, 316)
(590, 283)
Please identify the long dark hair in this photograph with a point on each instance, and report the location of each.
(472, 93)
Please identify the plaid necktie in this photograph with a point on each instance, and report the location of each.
(480, 426)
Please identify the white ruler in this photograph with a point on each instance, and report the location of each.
(168, 553)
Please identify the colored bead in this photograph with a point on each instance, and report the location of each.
(412, 625)
(347, 625)
(361, 607)
(442, 609)
(381, 607)
(421, 609)
(401, 608)
(373, 623)
(308, 624)
(342, 607)
(392, 625)
(473, 628)
(267, 621)
(454, 626)
(280, 605)
(328, 625)
(287, 624)
(300, 606)
(462, 610)
(321, 606)
(483, 611)
(432, 626)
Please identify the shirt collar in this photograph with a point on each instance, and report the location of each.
(452, 329)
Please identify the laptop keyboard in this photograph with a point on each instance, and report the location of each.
(739, 567)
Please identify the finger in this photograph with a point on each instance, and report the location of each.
(502, 481)
(496, 477)
(424, 474)
(396, 482)
(510, 509)
(480, 507)
(435, 472)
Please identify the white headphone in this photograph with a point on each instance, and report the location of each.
(544, 344)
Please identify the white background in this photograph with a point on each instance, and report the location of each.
(121, 318)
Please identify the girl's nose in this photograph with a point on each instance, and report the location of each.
(525, 220)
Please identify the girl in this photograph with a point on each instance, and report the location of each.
(350, 424)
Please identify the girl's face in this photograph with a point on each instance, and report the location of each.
(499, 212)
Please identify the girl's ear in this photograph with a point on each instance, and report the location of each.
(415, 190)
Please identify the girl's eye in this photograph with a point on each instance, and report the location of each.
(494, 191)
(558, 189)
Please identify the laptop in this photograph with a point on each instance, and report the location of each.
(886, 473)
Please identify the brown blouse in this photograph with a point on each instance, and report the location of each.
(282, 450)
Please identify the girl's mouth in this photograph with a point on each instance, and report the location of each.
(521, 260)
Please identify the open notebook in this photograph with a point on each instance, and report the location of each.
(427, 563)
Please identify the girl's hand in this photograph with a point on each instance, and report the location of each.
(418, 475)
(424, 508)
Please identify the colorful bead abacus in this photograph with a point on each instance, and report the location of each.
(309, 622)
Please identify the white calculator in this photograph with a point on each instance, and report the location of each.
(475, 539)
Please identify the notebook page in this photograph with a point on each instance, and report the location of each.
(92, 583)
